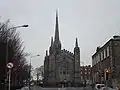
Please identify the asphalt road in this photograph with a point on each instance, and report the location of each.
(68, 88)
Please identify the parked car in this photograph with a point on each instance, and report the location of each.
(99, 86)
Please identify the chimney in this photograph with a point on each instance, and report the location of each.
(116, 37)
(98, 48)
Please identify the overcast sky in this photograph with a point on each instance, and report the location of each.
(93, 22)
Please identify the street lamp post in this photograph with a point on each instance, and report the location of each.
(31, 68)
(18, 27)
(7, 51)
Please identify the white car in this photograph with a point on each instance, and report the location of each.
(25, 88)
(99, 86)
(103, 88)
(107, 88)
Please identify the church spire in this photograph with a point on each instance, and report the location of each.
(56, 28)
(76, 49)
(57, 43)
(51, 41)
(51, 46)
(46, 53)
(76, 57)
(76, 43)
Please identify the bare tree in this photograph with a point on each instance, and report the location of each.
(10, 38)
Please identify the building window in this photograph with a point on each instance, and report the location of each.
(95, 60)
(60, 72)
(98, 58)
(66, 72)
(89, 69)
(108, 53)
(49, 74)
(104, 53)
(101, 55)
(89, 73)
(63, 72)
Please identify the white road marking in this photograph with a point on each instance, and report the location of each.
(61, 88)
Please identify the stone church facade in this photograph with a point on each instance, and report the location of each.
(61, 67)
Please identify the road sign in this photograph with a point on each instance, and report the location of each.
(10, 65)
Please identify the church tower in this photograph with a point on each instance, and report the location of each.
(77, 55)
(76, 63)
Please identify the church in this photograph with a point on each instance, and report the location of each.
(61, 67)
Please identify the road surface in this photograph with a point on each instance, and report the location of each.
(68, 88)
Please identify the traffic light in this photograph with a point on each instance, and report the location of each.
(107, 74)
(107, 71)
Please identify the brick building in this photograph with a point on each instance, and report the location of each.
(105, 58)
(86, 74)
